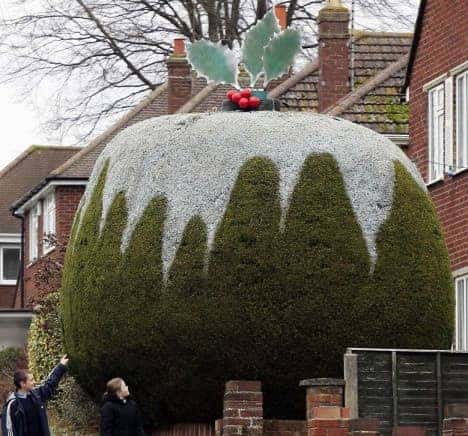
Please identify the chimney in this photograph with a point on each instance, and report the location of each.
(282, 16)
(333, 26)
(179, 76)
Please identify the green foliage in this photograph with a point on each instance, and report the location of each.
(214, 61)
(9, 358)
(280, 53)
(271, 290)
(256, 39)
(412, 282)
(71, 406)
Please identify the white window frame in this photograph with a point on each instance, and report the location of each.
(48, 220)
(34, 232)
(436, 130)
(461, 293)
(461, 116)
(2, 248)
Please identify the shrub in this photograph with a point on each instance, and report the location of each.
(70, 407)
(276, 299)
(11, 359)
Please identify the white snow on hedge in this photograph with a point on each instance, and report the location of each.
(193, 161)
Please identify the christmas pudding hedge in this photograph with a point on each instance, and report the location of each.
(250, 246)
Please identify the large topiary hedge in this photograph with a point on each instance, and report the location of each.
(323, 238)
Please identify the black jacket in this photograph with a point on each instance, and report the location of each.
(13, 418)
(119, 418)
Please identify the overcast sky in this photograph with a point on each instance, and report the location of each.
(20, 119)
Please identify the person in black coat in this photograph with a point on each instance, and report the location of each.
(24, 413)
(119, 414)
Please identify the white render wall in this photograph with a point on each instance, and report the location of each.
(14, 328)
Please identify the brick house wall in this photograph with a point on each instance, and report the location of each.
(443, 45)
(7, 295)
(67, 199)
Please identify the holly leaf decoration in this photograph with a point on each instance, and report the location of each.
(280, 53)
(213, 61)
(255, 42)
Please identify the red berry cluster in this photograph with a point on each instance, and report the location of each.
(244, 99)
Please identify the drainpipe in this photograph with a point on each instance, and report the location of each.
(21, 271)
(20, 280)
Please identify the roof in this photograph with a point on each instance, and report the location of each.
(378, 66)
(379, 108)
(23, 174)
(415, 43)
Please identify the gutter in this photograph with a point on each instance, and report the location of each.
(20, 206)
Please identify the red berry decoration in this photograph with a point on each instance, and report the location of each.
(244, 103)
(254, 102)
(230, 94)
(247, 92)
(236, 97)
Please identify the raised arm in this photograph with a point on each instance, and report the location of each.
(47, 389)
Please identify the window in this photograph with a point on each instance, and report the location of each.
(9, 264)
(461, 290)
(34, 233)
(49, 220)
(461, 108)
(436, 132)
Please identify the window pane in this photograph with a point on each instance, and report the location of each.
(436, 132)
(462, 121)
(460, 314)
(11, 263)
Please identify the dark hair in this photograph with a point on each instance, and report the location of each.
(112, 387)
(20, 376)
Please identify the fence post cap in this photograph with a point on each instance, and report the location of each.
(310, 382)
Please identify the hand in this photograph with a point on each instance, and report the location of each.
(64, 360)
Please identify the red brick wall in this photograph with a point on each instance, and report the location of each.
(7, 294)
(67, 199)
(443, 45)
(333, 56)
(179, 78)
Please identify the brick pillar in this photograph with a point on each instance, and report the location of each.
(456, 420)
(179, 76)
(325, 412)
(333, 23)
(243, 408)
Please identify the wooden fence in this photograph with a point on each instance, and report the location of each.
(187, 429)
(405, 387)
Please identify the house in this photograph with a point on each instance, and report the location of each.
(437, 87)
(20, 176)
(357, 76)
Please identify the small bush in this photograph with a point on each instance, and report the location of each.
(71, 407)
(11, 359)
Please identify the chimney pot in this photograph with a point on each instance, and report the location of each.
(179, 46)
(282, 16)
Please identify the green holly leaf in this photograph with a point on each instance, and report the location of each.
(280, 53)
(213, 61)
(255, 42)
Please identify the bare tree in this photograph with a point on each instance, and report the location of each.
(95, 58)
